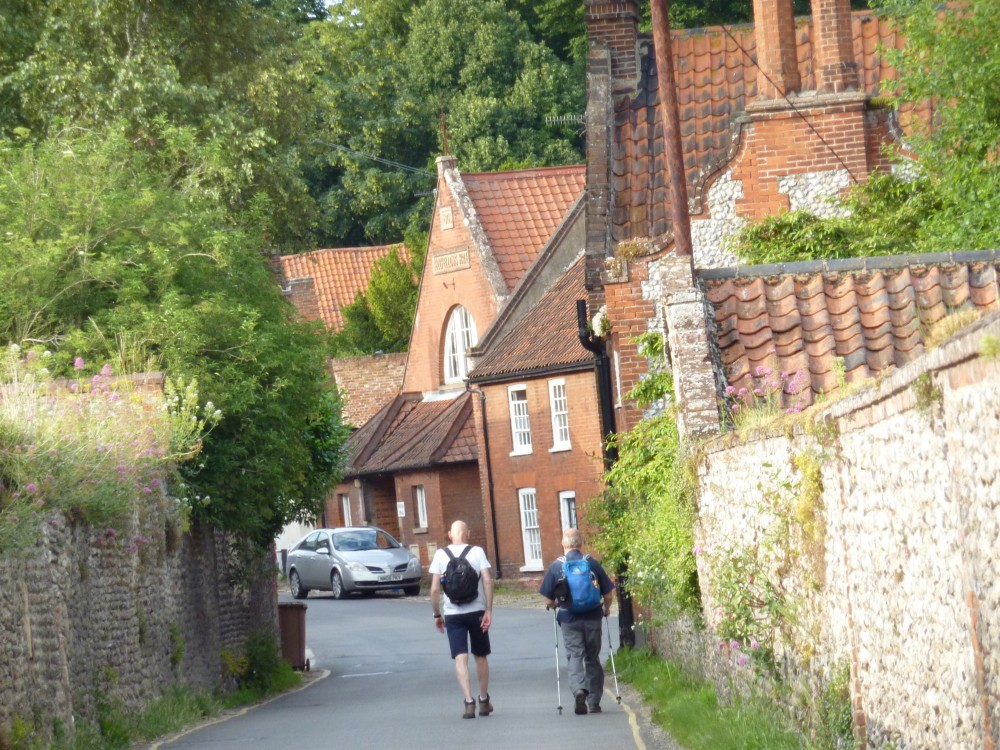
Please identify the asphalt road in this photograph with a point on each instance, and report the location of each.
(381, 676)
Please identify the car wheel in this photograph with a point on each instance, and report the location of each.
(337, 585)
(412, 590)
(298, 590)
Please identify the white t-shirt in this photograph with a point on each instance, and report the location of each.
(477, 558)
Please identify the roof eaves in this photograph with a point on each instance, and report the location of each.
(391, 411)
(533, 372)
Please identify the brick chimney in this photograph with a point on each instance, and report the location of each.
(615, 23)
(774, 28)
(836, 70)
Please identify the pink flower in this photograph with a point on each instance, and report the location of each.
(31, 487)
(741, 660)
(79, 364)
(107, 371)
(754, 645)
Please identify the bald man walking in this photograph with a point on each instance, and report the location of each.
(467, 625)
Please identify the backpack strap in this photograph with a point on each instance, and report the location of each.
(464, 552)
(448, 552)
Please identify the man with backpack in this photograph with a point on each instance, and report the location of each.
(462, 573)
(579, 587)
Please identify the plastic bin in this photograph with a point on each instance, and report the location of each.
(292, 625)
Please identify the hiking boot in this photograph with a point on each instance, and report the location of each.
(470, 710)
(581, 702)
(485, 707)
(594, 708)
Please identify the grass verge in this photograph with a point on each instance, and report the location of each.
(689, 711)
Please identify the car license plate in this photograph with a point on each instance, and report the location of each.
(391, 577)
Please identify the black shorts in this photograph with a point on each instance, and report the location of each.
(465, 630)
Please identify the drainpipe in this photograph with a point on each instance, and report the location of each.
(605, 400)
(489, 478)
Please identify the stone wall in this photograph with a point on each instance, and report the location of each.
(89, 616)
(901, 583)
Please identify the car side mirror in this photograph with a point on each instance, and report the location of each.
(323, 551)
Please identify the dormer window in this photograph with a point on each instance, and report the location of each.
(459, 337)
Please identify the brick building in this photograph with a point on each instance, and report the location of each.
(497, 242)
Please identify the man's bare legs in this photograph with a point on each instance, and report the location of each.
(482, 675)
(462, 673)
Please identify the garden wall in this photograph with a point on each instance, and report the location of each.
(94, 616)
(890, 565)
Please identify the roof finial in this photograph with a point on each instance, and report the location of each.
(444, 132)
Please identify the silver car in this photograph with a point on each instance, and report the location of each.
(355, 558)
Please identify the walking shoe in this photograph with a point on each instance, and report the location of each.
(485, 707)
(581, 702)
(470, 710)
(594, 708)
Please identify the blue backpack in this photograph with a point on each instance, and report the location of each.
(584, 590)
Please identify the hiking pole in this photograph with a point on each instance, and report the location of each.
(614, 671)
(555, 626)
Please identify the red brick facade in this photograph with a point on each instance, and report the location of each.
(548, 472)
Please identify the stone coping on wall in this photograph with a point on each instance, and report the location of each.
(848, 265)
(962, 347)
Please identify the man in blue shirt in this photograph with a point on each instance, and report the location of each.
(581, 630)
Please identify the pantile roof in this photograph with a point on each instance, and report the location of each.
(520, 210)
(545, 338)
(338, 274)
(870, 313)
(409, 433)
(716, 79)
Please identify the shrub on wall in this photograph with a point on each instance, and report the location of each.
(647, 515)
(92, 450)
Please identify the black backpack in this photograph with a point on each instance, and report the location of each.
(460, 580)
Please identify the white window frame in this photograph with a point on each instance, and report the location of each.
(520, 420)
(345, 509)
(531, 532)
(559, 409)
(460, 336)
(567, 509)
(420, 500)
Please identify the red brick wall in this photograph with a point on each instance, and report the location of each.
(302, 294)
(779, 143)
(628, 314)
(367, 384)
(615, 23)
(578, 469)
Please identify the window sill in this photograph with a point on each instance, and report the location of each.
(521, 453)
(560, 448)
(420, 530)
(532, 568)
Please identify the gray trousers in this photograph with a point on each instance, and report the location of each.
(582, 641)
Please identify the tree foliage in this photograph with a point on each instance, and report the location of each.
(108, 255)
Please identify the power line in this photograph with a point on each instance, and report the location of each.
(379, 159)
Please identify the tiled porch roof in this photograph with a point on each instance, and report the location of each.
(411, 434)
(873, 313)
(546, 337)
(716, 79)
(520, 210)
(338, 275)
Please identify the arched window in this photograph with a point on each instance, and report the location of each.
(459, 337)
